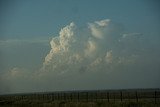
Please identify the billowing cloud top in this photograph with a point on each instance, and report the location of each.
(79, 56)
(98, 48)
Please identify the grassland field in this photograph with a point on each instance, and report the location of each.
(86, 98)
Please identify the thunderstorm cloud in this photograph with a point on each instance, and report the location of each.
(81, 58)
(96, 48)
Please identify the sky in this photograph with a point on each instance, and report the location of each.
(49, 45)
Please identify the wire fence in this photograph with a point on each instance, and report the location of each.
(88, 96)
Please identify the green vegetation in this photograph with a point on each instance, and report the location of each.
(77, 104)
(100, 98)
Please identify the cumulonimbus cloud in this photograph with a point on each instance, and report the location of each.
(100, 46)
(77, 53)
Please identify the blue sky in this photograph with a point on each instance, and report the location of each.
(36, 36)
(43, 18)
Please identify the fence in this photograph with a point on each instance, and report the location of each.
(88, 96)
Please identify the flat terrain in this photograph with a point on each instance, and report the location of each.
(93, 98)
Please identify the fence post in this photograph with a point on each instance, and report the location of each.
(114, 97)
(43, 96)
(78, 96)
(128, 96)
(71, 96)
(108, 96)
(96, 95)
(64, 96)
(87, 96)
(121, 96)
(155, 96)
(52, 97)
(136, 96)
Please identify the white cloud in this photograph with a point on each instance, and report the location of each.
(103, 23)
(98, 28)
(97, 47)
(109, 57)
(83, 55)
(14, 42)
